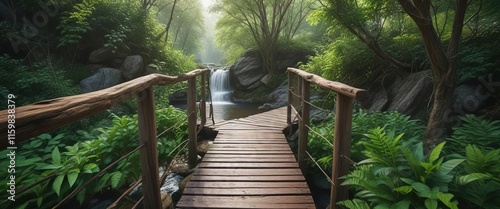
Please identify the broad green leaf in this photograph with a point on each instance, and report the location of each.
(56, 156)
(449, 165)
(431, 204)
(56, 186)
(403, 189)
(446, 200)
(463, 180)
(421, 189)
(404, 204)
(90, 168)
(436, 152)
(72, 178)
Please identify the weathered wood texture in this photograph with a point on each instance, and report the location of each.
(192, 123)
(355, 93)
(343, 122)
(42, 117)
(149, 157)
(250, 165)
(341, 148)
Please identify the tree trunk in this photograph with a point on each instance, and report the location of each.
(444, 64)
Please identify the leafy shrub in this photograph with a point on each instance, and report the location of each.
(345, 59)
(399, 175)
(68, 167)
(361, 124)
(479, 183)
(31, 85)
(474, 130)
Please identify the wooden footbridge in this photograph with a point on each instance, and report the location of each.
(249, 165)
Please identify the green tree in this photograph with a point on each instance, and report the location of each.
(264, 22)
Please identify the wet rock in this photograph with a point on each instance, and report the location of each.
(203, 146)
(133, 67)
(171, 185)
(104, 78)
(181, 168)
(166, 201)
(247, 72)
(184, 182)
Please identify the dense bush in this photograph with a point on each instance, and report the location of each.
(69, 167)
(474, 130)
(42, 81)
(361, 124)
(118, 24)
(398, 175)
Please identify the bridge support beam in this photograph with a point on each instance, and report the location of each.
(149, 157)
(303, 125)
(191, 112)
(341, 149)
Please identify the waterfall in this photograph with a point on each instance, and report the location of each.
(219, 86)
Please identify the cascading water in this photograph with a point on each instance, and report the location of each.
(219, 86)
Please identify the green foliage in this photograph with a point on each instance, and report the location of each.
(75, 23)
(397, 175)
(480, 183)
(30, 85)
(474, 130)
(69, 167)
(345, 59)
(362, 122)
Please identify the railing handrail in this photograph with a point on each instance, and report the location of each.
(42, 117)
(45, 116)
(342, 129)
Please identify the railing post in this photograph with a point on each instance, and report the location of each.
(203, 104)
(341, 148)
(191, 111)
(303, 130)
(149, 156)
(289, 103)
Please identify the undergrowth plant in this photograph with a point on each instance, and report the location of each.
(361, 124)
(397, 174)
(69, 167)
(475, 130)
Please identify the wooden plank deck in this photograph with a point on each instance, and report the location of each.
(249, 165)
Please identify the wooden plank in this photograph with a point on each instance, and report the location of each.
(249, 152)
(236, 141)
(244, 159)
(243, 205)
(286, 146)
(246, 191)
(249, 148)
(247, 165)
(247, 172)
(248, 155)
(198, 184)
(248, 178)
(249, 199)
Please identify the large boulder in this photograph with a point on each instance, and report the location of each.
(104, 78)
(101, 55)
(133, 67)
(408, 95)
(247, 72)
(472, 96)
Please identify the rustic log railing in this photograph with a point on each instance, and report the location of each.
(299, 87)
(45, 116)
